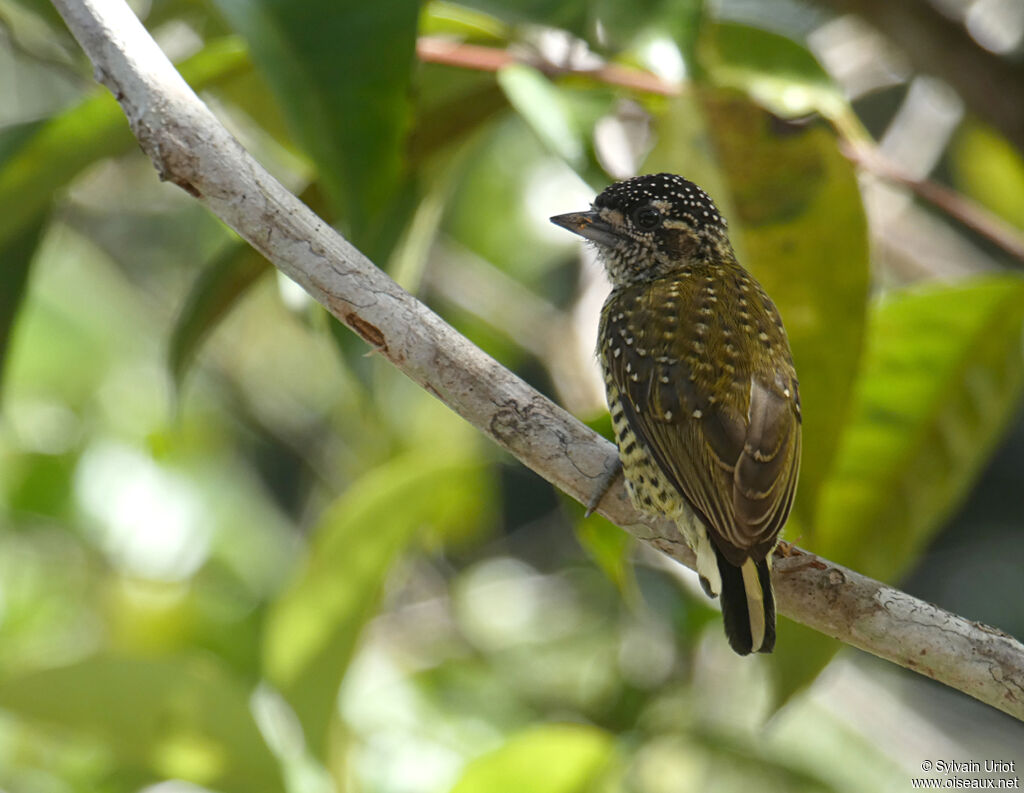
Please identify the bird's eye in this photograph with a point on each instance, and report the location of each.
(647, 218)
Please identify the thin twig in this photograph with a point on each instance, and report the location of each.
(952, 203)
(191, 148)
(432, 49)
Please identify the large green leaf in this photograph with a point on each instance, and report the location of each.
(612, 551)
(552, 758)
(95, 129)
(797, 223)
(15, 257)
(171, 718)
(943, 374)
(805, 237)
(571, 15)
(212, 296)
(540, 105)
(781, 74)
(48, 13)
(313, 627)
(988, 168)
(341, 71)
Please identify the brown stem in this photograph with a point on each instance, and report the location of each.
(954, 204)
(491, 59)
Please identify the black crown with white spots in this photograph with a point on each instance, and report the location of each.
(688, 201)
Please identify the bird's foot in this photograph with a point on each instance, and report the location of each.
(604, 484)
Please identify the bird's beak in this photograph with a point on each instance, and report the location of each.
(588, 225)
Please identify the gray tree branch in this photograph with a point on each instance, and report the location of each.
(192, 149)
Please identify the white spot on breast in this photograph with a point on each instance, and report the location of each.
(697, 413)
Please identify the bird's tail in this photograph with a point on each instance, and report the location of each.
(748, 605)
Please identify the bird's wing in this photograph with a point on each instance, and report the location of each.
(738, 468)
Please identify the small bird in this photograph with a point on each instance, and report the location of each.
(701, 388)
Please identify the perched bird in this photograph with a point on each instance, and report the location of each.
(701, 388)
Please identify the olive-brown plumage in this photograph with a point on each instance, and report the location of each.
(701, 387)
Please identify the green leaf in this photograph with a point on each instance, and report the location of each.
(610, 548)
(553, 758)
(341, 71)
(184, 718)
(777, 72)
(988, 168)
(441, 18)
(535, 99)
(798, 225)
(313, 627)
(805, 237)
(214, 292)
(570, 15)
(14, 137)
(15, 258)
(70, 142)
(47, 12)
(455, 108)
(943, 374)
(742, 764)
(800, 655)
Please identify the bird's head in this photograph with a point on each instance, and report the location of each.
(648, 226)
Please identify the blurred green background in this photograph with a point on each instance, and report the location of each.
(239, 554)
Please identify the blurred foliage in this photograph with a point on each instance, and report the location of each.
(352, 128)
(941, 377)
(175, 717)
(990, 170)
(312, 627)
(239, 552)
(556, 758)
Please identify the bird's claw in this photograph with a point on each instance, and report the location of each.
(604, 484)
